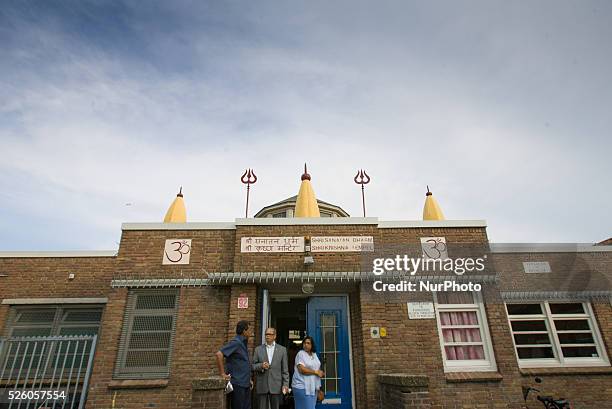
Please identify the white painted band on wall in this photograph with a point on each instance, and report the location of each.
(37, 301)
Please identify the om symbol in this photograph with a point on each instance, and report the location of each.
(176, 254)
(435, 248)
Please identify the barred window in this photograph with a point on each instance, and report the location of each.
(148, 332)
(463, 331)
(555, 334)
(46, 321)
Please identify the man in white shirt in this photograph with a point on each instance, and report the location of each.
(271, 369)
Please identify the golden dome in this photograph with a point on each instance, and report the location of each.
(431, 210)
(306, 204)
(176, 212)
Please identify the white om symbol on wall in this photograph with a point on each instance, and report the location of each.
(434, 247)
(177, 251)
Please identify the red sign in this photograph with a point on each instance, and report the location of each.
(243, 302)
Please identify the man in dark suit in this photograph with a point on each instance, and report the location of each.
(271, 371)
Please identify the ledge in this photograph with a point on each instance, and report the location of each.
(426, 224)
(66, 300)
(208, 384)
(582, 370)
(179, 226)
(600, 295)
(305, 221)
(414, 381)
(57, 254)
(138, 384)
(548, 248)
(456, 377)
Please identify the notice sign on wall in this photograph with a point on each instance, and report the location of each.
(341, 243)
(272, 244)
(536, 266)
(421, 310)
(243, 302)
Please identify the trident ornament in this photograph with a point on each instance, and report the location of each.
(362, 178)
(248, 179)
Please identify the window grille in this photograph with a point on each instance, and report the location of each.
(148, 333)
(51, 321)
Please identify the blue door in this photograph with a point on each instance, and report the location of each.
(328, 325)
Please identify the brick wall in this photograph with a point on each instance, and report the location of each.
(46, 277)
(249, 314)
(295, 261)
(207, 317)
(569, 271)
(401, 391)
(141, 252)
(201, 331)
(208, 393)
(357, 347)
(412, 347)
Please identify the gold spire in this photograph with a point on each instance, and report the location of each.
(176, 212)
(306, 204)
(431, 210)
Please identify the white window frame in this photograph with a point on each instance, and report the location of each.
(470, 365)
(559, 360)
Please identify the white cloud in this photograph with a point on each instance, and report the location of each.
(85, 130)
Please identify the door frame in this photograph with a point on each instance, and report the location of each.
(268, 311)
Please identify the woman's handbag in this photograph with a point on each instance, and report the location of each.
(320, 396)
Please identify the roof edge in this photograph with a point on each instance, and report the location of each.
(179, 226)
(55, 254)
(398, 224)
(299, 221)
(548, 248)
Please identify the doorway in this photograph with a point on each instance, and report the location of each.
(325, 318)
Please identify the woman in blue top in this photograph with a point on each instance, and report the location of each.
(306, 376)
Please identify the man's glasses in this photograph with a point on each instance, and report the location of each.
(270, 334)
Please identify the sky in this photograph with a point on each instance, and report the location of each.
(107, 108)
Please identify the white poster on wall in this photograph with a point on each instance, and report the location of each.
(421, 310)
(341, 243)
(536, 266)
(272, 244)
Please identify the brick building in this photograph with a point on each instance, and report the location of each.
(138, 327)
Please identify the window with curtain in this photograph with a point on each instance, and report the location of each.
(463, 331)
(555, 334)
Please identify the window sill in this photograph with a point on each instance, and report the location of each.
(138, 384)
(457, 377)
(579, 370)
